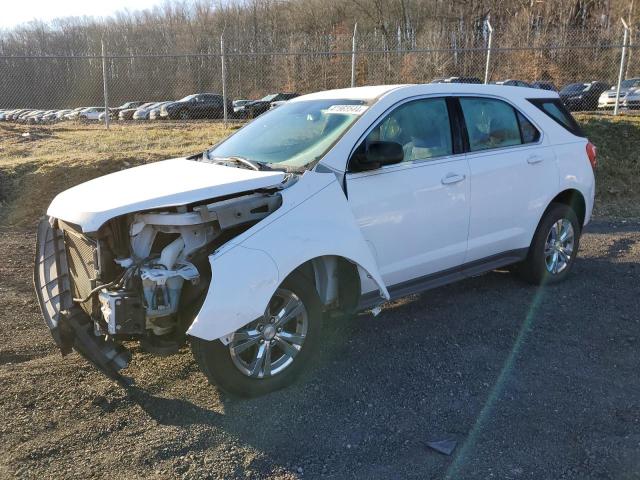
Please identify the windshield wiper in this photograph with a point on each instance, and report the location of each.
(252, 164)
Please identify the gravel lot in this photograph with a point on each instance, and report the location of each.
(532, 383)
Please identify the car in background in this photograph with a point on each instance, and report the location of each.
(140, 113)
(544, 85)
(90, 113)
(154, 111)
(60, 114)
(513, 83)
(239, 103)
(472, 80)
(607, 99)
(631, 100)
(582, 96)
(73, 114)
(258, 107)
(115, 111)
(197, 105)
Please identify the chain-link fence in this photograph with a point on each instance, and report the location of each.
(598, 66)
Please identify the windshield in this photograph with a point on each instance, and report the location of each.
(575, 88)
(294, 135)
(187, 98)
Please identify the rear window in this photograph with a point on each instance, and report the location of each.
(554, 108)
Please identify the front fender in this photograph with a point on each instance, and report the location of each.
(246, 274)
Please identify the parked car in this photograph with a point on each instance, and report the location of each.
(243, 248)
(631, 99)
(239, 103)
(60, 115)
(544, 85)
(73, 114)
(582, 96)
(472, 80)
(513, 83)
(258, 107)
(607, 99)
(90, 113)
(198, 105)
(154, 112)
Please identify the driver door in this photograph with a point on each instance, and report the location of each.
(415, 214)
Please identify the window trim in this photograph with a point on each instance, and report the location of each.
(383, 115)
(516, 110)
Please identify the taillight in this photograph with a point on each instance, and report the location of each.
(591, 153)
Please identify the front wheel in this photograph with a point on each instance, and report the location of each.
(554, 246)
(270, 352)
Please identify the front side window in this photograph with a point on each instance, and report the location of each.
(421, 127)
(490, 123)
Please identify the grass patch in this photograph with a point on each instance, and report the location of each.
(617, 177)
(34, 168)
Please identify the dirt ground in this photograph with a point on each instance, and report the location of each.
(531, 383)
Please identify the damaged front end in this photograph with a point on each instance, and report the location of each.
(139, 277)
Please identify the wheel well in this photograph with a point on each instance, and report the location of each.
(574, 199)
(336, 279)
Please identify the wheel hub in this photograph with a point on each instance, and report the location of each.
(269, 332)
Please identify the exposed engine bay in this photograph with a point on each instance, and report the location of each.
(142, 276)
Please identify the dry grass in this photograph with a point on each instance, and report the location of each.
(34, 169)
(618, 174)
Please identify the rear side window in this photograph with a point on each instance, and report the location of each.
(490, 123)
(554, 108)
(528, 132)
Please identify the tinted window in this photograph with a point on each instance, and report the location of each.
(421, 127)
(528, 132)
(490, 123)
(556, 110)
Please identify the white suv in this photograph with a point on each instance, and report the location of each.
(334, 201)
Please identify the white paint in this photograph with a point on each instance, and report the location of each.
(156, 185)
(314, 221)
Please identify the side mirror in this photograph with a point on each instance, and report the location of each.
(375, 154)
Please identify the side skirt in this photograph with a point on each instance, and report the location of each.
(438, 279)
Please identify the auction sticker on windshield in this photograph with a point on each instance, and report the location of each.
(352, 109)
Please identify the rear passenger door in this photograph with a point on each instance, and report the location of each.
(513, 176)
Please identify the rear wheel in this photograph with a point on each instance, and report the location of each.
(554, 246)
(270, 352)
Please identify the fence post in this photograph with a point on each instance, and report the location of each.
(622, 59)
(486, 67)
(353, 56)
(224, 80)
(105, 87)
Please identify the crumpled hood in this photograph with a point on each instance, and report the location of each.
(156, 185)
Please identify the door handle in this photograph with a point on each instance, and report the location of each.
(451, 178)
(534, 159)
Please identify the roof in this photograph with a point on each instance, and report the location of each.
(374, 92)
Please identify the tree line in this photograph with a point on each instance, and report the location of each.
(303, 45)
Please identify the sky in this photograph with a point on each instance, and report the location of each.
(14, 12)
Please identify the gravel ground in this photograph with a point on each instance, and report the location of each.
(532, 383)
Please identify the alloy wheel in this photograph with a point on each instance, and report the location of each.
(559, 246)
(269, 345)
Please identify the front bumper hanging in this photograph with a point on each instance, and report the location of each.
(70, 326)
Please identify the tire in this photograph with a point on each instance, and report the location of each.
(539, 267)
(184, 115)
(231, 371)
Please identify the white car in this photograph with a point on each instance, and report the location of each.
(90, 113)
(335, 201)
